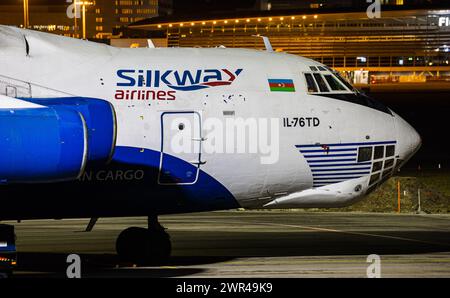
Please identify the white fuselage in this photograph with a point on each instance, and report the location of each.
(274, 171)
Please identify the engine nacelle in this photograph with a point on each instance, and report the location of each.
(49, 140)
(42, 144)
(100, 121)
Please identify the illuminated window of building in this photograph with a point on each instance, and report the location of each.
(127, 11)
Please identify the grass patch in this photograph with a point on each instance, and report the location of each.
(434, 189)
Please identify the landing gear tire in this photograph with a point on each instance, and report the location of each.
(144, 246)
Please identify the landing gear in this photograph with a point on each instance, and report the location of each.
(144, 246)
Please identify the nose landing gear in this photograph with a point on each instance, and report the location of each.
(149, 246)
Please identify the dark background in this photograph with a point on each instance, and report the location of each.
(429, 113)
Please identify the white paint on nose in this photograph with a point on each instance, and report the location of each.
(409, 141)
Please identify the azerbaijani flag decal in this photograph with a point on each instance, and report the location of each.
(281, 85)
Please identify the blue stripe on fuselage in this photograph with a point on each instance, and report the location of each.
(206, 194)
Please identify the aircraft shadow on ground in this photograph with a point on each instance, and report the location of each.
(315, 243)
(107, 265)
(232, 245)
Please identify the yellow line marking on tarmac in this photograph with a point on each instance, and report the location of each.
(332, 230)
(355, 233)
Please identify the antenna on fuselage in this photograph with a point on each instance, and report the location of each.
(27, 45)
(267, 43)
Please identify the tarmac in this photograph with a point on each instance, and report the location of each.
(235, 244)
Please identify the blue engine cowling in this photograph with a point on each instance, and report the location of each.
(100, 120)
(41, 145)
(57, 141)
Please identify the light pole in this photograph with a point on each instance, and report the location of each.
(75, 12)
(26, 17)
(83, 11)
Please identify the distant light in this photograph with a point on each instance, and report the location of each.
(303, 17)
(281, 18)
(226, 22)
(214, 22)
(400, 61)
(203, 23)
(248, 20)
(270, 19)
(181, 24)
(292, 18)
(236, 21)
(259, 20)
(431, 63)
(362, 59)
(159, 26)
(192, 24)
(410, 58)
(170, 25)
(315, 16)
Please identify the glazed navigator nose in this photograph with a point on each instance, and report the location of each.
(408, 139)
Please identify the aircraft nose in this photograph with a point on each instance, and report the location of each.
(409, 140)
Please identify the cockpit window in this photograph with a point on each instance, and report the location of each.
(321, 68)
(334, 83)
(311, 84)
(322, 85)
(345, 82)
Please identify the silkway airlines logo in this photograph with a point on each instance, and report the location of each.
(142, 83)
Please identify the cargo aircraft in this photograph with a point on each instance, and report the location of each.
(88, 131)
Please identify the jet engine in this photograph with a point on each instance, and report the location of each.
(50, 140)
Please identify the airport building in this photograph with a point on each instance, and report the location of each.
(103, 17)
(403, 45)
